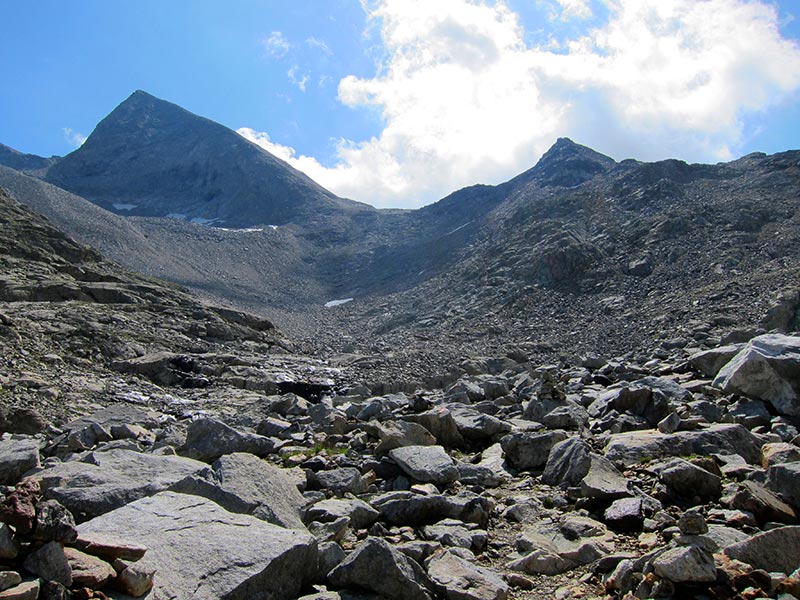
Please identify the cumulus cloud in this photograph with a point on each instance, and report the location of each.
(276, 44)
(74, 138)
(465, 100)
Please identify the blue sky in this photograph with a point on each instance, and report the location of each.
(399, 102)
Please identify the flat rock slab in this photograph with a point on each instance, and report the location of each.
(774, 550)
(108, 480)
(429, 464)
(17, 457)
(458, 579)
(640, 446)
(203, 552)
(243, 483)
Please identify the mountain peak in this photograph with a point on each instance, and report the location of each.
(568, 164)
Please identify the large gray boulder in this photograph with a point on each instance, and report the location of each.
(204, 552)
(530, 450)
(634, 447)
(207, 439)
(426, 463)
(243, 483)
(784, 479)
(406, 508)
(768, 368)
(17, 457)
(107, 480)
(378, 567)
(567, 463)
(709, 362)
(774, 550)
(397, 434)
(360, 514)
(458, 579)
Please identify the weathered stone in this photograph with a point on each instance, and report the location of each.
(108, 547)
(243, 483)
(475, 425)
(688, 480)
(88, 571)
(441, 423)
(603, 481)
(54, 523)
(765, 505)
(784, 479)
(426, 463)
(9, 579)
(17, 457)
(50, 562)
(28, 590)
(207, 439)
(638, 446)
(779, 452)
(204, 552)
(768, 368)
(686, 564)
(360, 514)
(774, 550)
(396, 434)
(339, 481)
(9, 546)
(458, 579)
(567, 463)
(378, 567)
(692, 523)
(670, 423)
(530, 450)
(709, 362)
(134, 579)
(405, 508)
(108, 480)
(469, 474)
(551, 548)
(450, 532)
(625, 514)
(329, 531)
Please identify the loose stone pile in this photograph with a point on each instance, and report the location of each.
(677, 478)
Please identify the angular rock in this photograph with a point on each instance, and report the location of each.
(9, 579)
(396, 434)
(87, 570)
(709, 362)
(360, 514)
(134, 579)
(603, 481)
(686, 564)
(551, 548)
(530, 450)
(9, 547)
(625, 514)
(17, 457)
(49, 562)
(639, 446)
(567, 463)
(441, 423)
(207, 439)
(28, 590)
(458, 579)
(774, 550)
(204, 552)
(406, 508)
(688, 480)
(767, 368)
(454, 533)
(784, 479)
(109, 548)
(475, 425)
(243, 483)
(339, 481)
(779, 452)
(54, 523)
(18, 507)
(765, 505)
(377, 567)
(426, 463)
(108, 480)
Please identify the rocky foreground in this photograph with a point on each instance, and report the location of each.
(156, 446)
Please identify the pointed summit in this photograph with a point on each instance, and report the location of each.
(150, 157)
(568, 164)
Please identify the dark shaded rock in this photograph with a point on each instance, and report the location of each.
(567, 463)
(54, 523)
(774, 550)
(765, 505)
(17, 457)
(530, 450)
(405, 508)
(625, 514)
(49, 562)
(400, 577)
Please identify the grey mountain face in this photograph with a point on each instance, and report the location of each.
(24, 162)
(580, 250)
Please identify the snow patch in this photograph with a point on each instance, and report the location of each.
(458, 228)
(176, 216)
(202, 221)
(333, 303)
(273, 227)
(124, 206)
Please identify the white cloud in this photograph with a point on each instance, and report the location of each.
(575, 9)
(321, 45)
(297, 79)
(74, 138)
(276, 44)
(465, 100)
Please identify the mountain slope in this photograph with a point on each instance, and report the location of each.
(149, 157)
